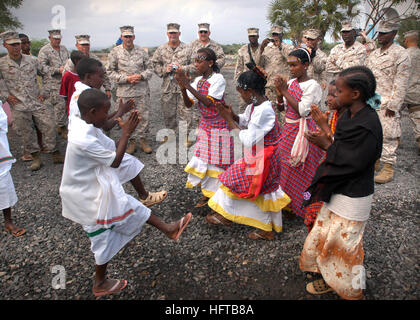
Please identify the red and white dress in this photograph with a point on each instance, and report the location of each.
(295, 179)
(213, 152)
(250, 191)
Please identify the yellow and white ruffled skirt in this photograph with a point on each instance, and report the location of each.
(263, 213)
(204, 174)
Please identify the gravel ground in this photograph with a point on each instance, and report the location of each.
(209, 262)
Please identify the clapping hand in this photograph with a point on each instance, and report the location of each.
(224, 110)
(280, 84)
(127, 106)
(130, 124)
(181, 78)
(320, 118)
(319, 138)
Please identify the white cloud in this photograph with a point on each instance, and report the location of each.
(228, 19)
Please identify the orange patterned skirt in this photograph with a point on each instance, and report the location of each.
(334, 248)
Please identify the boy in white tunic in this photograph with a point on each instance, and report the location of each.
(8, 196)
(91, 188)
(91, 73)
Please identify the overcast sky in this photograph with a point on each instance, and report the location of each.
(101, 19)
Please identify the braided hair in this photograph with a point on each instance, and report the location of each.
(253, 79)
(303, 55)
(211, 56)
(360, 78)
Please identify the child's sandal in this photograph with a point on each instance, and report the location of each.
(318, 287)
(154, 198)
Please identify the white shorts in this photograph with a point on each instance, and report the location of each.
(8, 197)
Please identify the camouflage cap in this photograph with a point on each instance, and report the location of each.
(253, 32)
(386, 26)
(127, 31)
(346, 26)
(277, 29)
(411, 33)
(173, 27)
(204, 27)
(10, 37)
(83, 39)
(311, 33)
(55, 34)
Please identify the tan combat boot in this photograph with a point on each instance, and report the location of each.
(57, 157)
(131, 148)
(145, 146)
(36, 162)
(377, 165)
(59, 130)
(386, 174)
(189, 143)
(64, 132)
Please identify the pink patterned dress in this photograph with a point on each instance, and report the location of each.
(295, 180)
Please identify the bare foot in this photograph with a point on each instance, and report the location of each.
(175, 229)
(14, 230)
(109, 286)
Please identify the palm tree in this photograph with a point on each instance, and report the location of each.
(298, 15)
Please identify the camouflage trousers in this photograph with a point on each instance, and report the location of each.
(414, 115)
(173, 104)
(142, 104)
(59, 106)
(271, 94)
(23, 124)
(391, 128)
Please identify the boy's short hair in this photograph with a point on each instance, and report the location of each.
(91, 98)
(86, 66)
(76, 55)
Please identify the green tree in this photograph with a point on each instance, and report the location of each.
(407, 25)
(7, 20)
(298, 15)
(384, 9)
(36, 45)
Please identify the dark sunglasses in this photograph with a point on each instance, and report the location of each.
(127, 36)
(203, 31)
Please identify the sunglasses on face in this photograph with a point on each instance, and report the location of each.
(127, 36)
(202, 31)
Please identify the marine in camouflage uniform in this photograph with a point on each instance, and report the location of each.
(274, 61)
(19, 87)
(244, 57)
(412, 98)
(165, 57)
(204, 41)
(83, 45)
(130, 69)
(53, 61)
(391, 66)
(345, 55)
(187, 58)
(316, 69)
